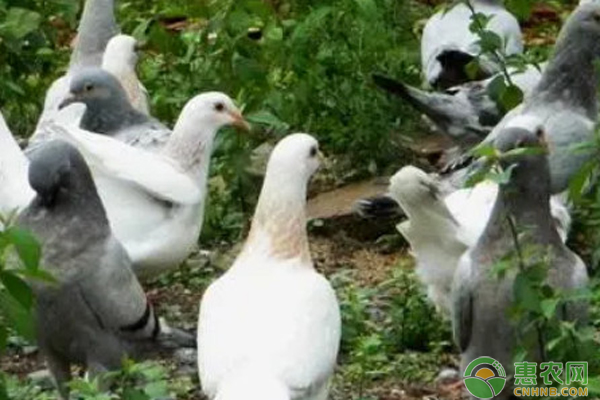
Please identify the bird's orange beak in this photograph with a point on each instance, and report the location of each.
(239, 121)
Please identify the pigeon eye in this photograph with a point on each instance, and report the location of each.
(219, 107)
(88, 87)
(596, 17)
(313, 151)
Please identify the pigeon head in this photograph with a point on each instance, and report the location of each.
(411, 187)
(530, 166)
(122, 48)
(577, 49)
(99, 90)
(583, 24)
(295, 158)
(57, 171)
(212, 110)
(581, 31)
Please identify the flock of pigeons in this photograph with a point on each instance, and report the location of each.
(459, 235)
(114, 196)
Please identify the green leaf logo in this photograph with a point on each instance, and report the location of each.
(484, 378)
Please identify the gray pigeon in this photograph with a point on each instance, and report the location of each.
(481, 300)
(96, 313)
(96, 28)
(466, 112)
(565, 100)
(448, 45)
(109, 112)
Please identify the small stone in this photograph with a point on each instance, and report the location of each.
(186, 356)
(30, 350)
(42, 378)
(447, 376)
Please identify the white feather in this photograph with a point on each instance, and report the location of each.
(15, 192)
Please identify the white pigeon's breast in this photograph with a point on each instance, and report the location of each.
(281, 317)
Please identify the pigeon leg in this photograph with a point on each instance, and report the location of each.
(61, 372)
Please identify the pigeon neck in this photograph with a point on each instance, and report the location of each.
(191, 145)
(96, 28)
(110, 120)
(560, 83)
(117, 66)
(279, 222)
(527, 202)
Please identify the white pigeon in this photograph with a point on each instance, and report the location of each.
(448, 44)
(270, 327)
(155, 202)
(120, 59)
(15, 192)
(440, 230)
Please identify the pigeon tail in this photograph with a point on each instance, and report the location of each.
(381, 206)
(425, 102)
(439, 107)
(170, 338)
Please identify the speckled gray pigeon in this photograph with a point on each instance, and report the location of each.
(96, 313)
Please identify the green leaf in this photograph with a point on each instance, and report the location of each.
(548, 307)
(525, 294)
(472, 69)
(134, 394)
(489, 41)
(511, 97)
(17, 288)
(3, 339)
(521, 8)
(17, 316)
(501, 177)
(27, 247)
(579, 181)
(267, 118)
(156, 390)
(20, 22)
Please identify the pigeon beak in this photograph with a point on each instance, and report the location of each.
(323, 161)
(239, 121)
(541, 135)
(68, 100)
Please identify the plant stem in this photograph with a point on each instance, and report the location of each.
(499, 57)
